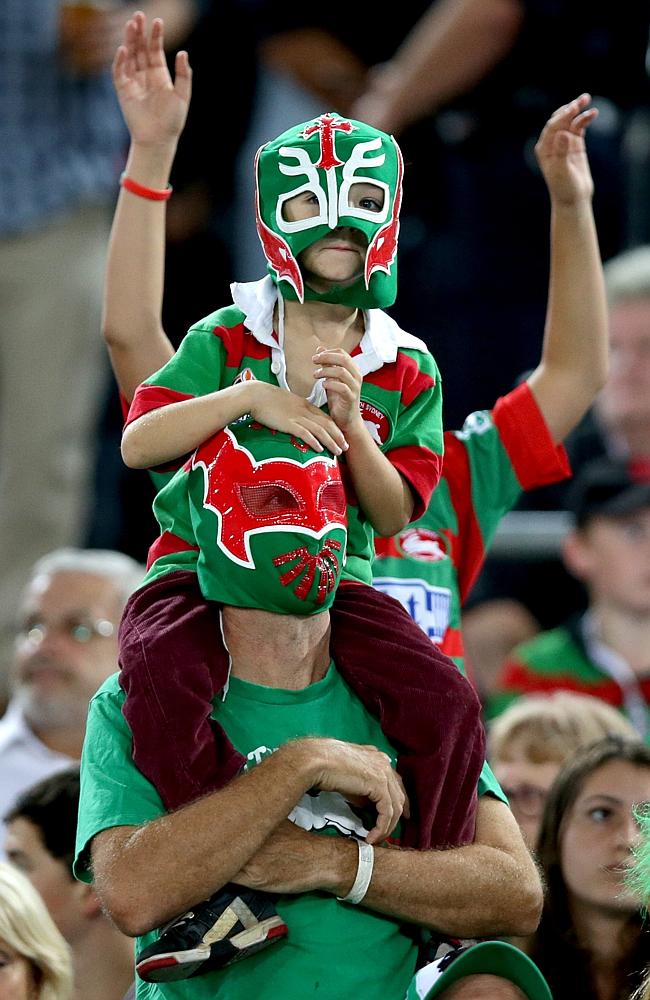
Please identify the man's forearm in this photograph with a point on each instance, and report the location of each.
(486, 888)
(197, 848)
(574, 361)
(383, 494)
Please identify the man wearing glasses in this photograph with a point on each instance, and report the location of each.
(66, 646)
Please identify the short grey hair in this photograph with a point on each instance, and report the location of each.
(627, 276)
(122, 570)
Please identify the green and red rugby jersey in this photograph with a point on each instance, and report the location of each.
(401, 401)
(570, 658)
(432, 565)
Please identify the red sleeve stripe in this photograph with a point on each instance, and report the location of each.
(401, 375)
(467, 549)
(166, 545)
(518, 679)
(536, 459)
(124, 406)
(152, 397)
(421, 468)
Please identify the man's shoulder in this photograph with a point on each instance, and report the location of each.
(109, 694)
(227, 317)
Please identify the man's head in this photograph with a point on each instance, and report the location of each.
(624, 404)
(67, 633)
(40, 841)
(609, 549)
(490, 970)
(270, 517)
(329, 193)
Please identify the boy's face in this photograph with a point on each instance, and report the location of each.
(339, 257)
(611, 555)
(328, 161)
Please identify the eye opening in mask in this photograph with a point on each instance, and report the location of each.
(331, 497)
(264, 500)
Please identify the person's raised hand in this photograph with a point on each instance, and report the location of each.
(154, 106)
(562, 155)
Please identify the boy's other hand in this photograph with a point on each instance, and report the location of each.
(342, 380)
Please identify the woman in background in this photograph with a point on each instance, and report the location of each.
(590, 944)
(34, 959)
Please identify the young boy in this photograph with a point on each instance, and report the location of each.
(329, 194)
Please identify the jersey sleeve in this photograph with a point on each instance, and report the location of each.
(195, 370)
(416, 446)
(488, 463)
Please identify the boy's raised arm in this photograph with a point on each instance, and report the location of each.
(155, 109)
(574, 361)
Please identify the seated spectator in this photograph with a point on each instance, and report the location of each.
(40, 841)
(511, 596)
(604, 652)
(532, 739)
(591, 942)
(34, 958)
(66, 647)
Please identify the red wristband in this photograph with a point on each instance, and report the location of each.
(152, 194)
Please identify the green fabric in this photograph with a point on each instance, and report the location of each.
(291, 164)
(341, 942)
(331, 945)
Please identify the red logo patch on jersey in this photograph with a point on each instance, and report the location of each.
(423, 544)
(245, 375)
(376, 422)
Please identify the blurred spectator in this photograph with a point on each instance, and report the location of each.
(591, 940)
(487, 970)
(531, 740)
(467, 85)
(41, 830)
(66, 647)
(199, 248)
(34, 958)
(515, 597)
(60, 153)
(605, 651)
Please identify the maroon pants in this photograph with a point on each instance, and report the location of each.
(173, 663)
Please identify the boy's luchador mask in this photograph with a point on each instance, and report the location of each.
(326, 157)
(278, 535)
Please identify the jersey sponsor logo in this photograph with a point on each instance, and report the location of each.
(376, 422)
(245, 375)
(427, 605)
(423, 544)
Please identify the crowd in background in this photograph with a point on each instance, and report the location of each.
(558, 645)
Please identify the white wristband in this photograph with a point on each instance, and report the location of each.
(364, 874)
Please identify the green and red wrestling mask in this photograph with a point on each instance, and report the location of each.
(270, 520)
(331, 159)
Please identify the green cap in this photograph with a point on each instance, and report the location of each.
(487, 958)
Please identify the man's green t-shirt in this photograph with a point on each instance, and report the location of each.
(333, 950)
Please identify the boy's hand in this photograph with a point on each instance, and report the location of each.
(287, 412)
(562, 155)
(154, 107)
(342, 380)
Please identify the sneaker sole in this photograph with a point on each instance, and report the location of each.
(175, 965)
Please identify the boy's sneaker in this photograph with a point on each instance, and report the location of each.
(232, 924)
